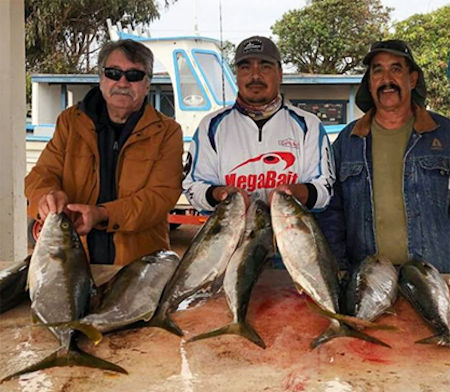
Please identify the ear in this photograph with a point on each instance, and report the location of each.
(280, 76)
(414, 76)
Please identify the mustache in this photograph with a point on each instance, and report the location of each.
(122, 91)
(392, 86)
(256, 83)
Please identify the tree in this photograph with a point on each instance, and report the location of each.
(429, 38)
(228, 50)
(59, 34)
(330, 36)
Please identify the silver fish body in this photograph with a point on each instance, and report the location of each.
(305, 251)
(60, 285)
(372, 289)
(59, 277)
(133, 294)
(310, 263)
(426, 290)
(243, 270)
(13, 282)
(205, 261)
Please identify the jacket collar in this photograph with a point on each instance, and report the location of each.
(150, 117)
(423, 122)
(93, 104)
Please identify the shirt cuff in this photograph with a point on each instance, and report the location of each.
(209, 196)
(312, 196)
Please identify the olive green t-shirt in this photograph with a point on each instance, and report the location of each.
(388, 150)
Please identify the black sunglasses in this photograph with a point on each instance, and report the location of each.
(132, 75)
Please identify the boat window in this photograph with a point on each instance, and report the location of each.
(191, 94)
(220, 83)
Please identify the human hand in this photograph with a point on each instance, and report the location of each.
(54, 201)
(286, 188)
(299, 191)
(88, 217)
(220, 193)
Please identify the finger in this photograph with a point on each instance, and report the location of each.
(42, 215)
(80, 225)
(43, 210)
(76, 208)
(60, 205)
(288, 191)
(51, 203)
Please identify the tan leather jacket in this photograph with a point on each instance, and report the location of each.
(148, 175)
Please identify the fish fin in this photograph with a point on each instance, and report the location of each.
(300, 289)
(391, 311)
(344, 331)
(72, 357)
(439, 340)
(87, 329)
(351, 321)
(241, 329)
(164, 321)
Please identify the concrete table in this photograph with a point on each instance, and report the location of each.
(161, 362)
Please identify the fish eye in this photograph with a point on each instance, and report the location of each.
(65, 225)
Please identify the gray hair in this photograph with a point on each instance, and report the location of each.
(134, 51)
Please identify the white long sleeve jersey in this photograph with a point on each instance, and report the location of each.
(228, 148)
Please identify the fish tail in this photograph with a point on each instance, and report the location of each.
(241, 329)
(342, 330)
(351, 321)
(72, 357)
(164, 321)
(439, 340)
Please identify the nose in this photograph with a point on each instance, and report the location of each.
(386, 76)
(255, 71)
(123, 80)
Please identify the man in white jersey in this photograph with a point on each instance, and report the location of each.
(261, 143)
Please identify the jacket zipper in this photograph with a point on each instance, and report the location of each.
(369, 180)
(116, 161)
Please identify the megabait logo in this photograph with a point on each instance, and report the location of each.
(269, 178)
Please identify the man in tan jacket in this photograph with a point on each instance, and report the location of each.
(114, 163)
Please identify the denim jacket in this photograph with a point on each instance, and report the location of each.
(349, 222)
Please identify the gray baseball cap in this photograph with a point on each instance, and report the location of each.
(259, 47)
(399, 48)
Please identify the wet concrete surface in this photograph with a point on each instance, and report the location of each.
(160, 362)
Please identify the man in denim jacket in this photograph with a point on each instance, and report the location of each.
(392, 193)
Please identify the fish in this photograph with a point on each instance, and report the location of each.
(13, 281)
(425, 288)
(311, 265)
(372, 289)
(243, 271)
(60, 285)
(133, 294)
(204, 262)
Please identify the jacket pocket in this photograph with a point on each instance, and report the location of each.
(136, 170)
(434, 176)
(442, 164)
(349, 170)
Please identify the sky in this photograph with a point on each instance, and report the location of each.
(243, 18)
